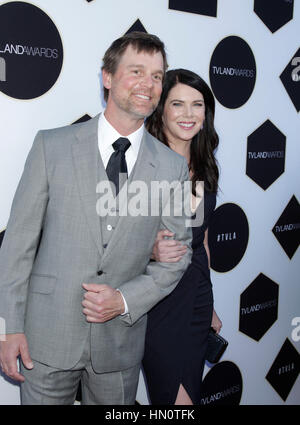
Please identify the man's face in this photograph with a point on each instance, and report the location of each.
(136, 86)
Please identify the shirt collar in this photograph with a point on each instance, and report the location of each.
(107, 134)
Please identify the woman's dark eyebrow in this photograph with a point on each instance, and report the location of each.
(178, 100)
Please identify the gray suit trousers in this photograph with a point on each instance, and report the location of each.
(45, 385)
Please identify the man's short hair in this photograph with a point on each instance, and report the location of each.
(140, 41)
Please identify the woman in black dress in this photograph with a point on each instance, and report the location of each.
(178, 326)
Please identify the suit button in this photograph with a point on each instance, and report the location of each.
(99, 272)
(109, 227)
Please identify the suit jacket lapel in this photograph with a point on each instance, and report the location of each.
(85, 158)
(147, 161)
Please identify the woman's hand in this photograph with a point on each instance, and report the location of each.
(216, 323)
(167, 250)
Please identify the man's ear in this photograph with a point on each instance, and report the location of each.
(106, 79)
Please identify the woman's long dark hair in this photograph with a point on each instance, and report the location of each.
(203, 145)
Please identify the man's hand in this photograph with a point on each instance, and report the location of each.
(167, 250)
(15, 345)
(101, 303)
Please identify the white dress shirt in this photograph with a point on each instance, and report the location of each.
(107, 135)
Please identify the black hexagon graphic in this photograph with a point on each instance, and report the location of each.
(203, 7)
(258, 307)
(265, 154)
(275, 13)
(287, 228)
(84, 118)
(285, 369)
(137, 26)
(290, 78)
(1, 237)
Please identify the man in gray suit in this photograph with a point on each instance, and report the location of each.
(75, 286)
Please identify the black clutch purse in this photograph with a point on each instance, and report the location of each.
(216, 346)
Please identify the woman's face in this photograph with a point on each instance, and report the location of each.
(183, 114)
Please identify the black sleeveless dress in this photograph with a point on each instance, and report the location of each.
(178, 326)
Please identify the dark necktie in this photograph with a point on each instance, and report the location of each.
(117, 161)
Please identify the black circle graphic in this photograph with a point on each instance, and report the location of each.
(223, 384)
(227, 237)
(31, 50)
(232, 72)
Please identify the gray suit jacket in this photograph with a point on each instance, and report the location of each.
(53, 244)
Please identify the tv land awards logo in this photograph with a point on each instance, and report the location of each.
(228, 237)
(284, 370)
(258, 307)
(275, 13)
(290, 78)
(265, 154)
(287, 228)
(203, 7)
(31, 51)
(232, 72)
(222, 385)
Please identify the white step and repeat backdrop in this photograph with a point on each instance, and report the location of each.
(249, 53)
